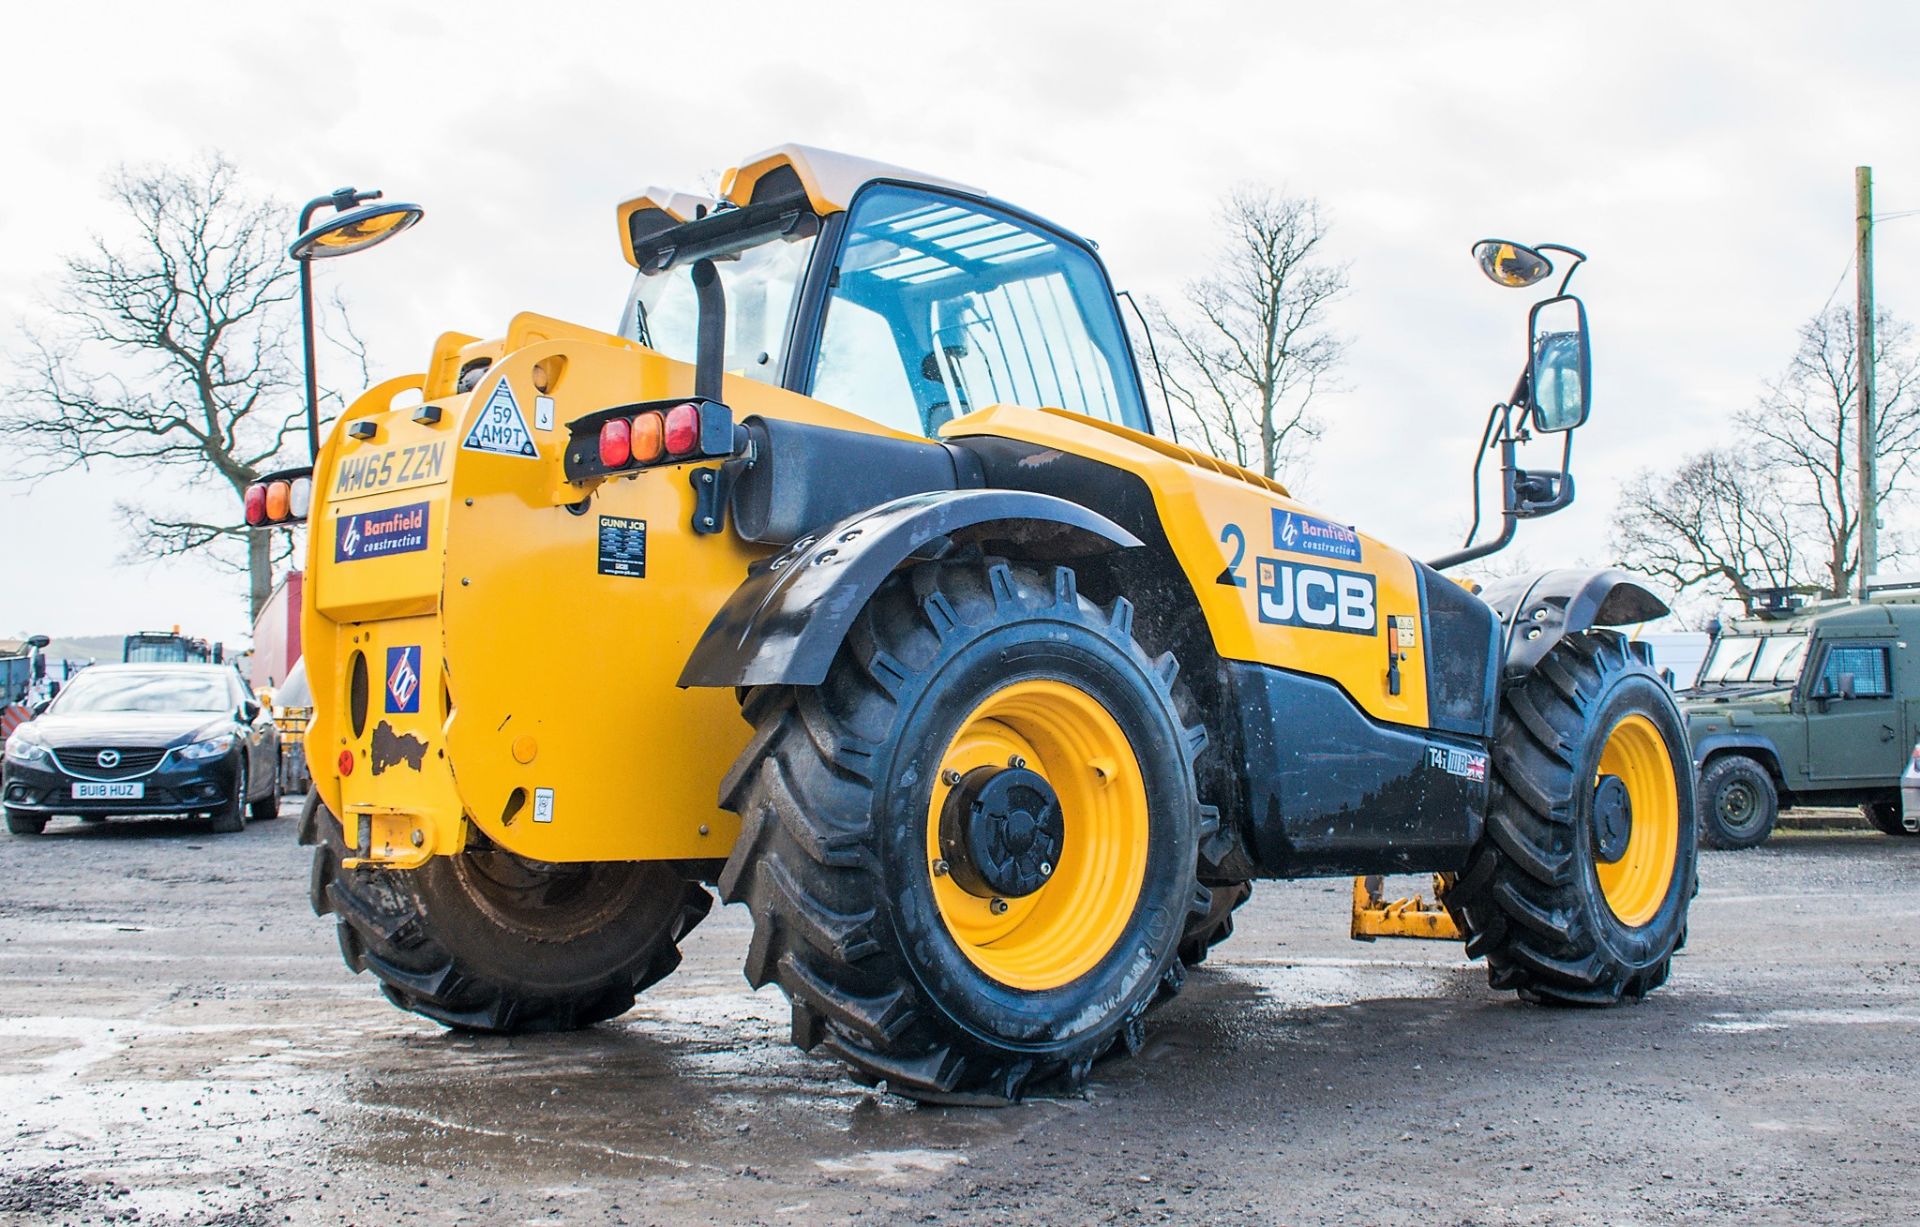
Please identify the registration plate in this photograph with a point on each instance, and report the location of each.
(109, 792)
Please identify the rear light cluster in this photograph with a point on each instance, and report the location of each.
(637, 436)
(279, 498)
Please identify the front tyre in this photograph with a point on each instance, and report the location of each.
(1578, 891)
(488, 941)
(20, 822)
(1888, 818)
(231, 818)
(1738, 803)
(970, 853)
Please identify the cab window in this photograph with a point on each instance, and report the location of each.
(941, 306)
(1858, 672)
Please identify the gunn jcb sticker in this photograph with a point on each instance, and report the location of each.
(1318, 598)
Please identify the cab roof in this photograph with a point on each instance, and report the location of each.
(825, 180)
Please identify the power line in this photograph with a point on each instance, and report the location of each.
(1837, 283)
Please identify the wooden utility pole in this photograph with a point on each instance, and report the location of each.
(1863, 380)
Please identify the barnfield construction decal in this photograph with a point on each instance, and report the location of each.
(375, 534)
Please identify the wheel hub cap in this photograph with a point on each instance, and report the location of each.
(1612, 818)
(1001, 832)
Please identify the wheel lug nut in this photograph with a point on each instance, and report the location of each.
(1046, 869)
(949, 777)
(998, 907)
(939, 869)
(1016, 762)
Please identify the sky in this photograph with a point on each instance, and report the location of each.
(1702, 155)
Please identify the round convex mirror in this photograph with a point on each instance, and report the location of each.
(354, 230)
(1511, 264)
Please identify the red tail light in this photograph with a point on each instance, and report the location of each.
(683, 428)
(615, 443)
(256, 505)
(649, 437)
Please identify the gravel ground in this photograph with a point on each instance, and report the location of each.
(179, 1043)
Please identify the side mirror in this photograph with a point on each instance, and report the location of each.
(1514, 265)
(249, 711)
(354, 230)
(1560, 366)
(1847, 690)
(40, 707)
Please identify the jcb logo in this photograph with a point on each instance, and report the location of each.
(1317, 597)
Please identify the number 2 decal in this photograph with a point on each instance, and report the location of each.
(1233, 535)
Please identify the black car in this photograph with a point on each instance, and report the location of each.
(144, 739)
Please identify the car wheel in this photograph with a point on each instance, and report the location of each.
(20, 822)
(263, 809)
(1886, 817)
(1738, 803)
(231, 818)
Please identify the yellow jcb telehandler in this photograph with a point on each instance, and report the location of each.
(875, 603)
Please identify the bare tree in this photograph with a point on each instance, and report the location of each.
(1779, 509)
(1805, 427)
(175, 349)
(1715, 523)
(1250, 347)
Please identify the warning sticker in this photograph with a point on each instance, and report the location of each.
(500, 429)
(543, 805)
(623, 547)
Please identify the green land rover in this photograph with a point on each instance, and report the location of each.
(1809, 706)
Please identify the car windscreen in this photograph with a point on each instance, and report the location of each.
(1779, 660)
(97, 691)
(1731, 659)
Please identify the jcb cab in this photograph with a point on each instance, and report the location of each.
(892, 618)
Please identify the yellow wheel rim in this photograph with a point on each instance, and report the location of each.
(1063, 929)
(1636, 885)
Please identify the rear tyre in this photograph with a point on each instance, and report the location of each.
(1207, 931)
(1886, 818)
(231, 818)
(1738, 803)
(1577, 894)
(488, 941)
(970, 853)
(20, 822)
(263, 808)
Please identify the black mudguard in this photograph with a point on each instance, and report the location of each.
(1539, 611)
(785, 623)
(1760, 749)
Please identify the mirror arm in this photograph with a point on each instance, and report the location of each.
(1500, 430)
(342, 199)
(1579, 258)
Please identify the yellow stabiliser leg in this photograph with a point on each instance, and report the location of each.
(1413, 917)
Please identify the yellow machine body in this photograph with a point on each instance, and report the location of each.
(547, 711)
(471, 663)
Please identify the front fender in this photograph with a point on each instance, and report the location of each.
(1753, 745)
(785, 623)
(1539, 611)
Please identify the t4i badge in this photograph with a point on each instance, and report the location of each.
(403, 680)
